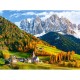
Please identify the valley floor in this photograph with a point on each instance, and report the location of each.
(35, 66)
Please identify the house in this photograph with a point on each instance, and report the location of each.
(1, 23)
(29, 60)
(13, 59)
(21, 59)
(35, 58)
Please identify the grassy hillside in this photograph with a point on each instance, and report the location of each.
(62, 42)
(14, 39)
(46, 50)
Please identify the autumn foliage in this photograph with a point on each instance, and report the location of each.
(63, 56)
(5, 54)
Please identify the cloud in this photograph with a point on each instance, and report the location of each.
(73, 16)
(47, 15)
(35, 13)
(29, 13)
(18, 23)
(42, 13)
(16, 15)
(29, 19)
(1, 11)
(14, 10)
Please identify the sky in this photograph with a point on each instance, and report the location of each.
(16, 16)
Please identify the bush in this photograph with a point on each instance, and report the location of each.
(77, 64)
(14, 66)
(2, 61)
(1, 54)
(6, 54)
(6, 62)
(70, 64)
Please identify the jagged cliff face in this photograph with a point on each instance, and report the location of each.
(25, 25)
(34, 27)
(51, 24)
(79, 27)
(57, 24)
(37, 27)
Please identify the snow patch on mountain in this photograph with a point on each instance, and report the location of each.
(29, 19)
(38, 35)
(61, 33)
(77, 33)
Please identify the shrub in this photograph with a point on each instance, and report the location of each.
(14, 66)
(77, 64)
(70, 64)
(2, 61)
(6, 61)
(6, 54)
(1, 54)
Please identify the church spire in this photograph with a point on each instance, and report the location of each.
(33, 54)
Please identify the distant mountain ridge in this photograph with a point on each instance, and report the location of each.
(52, 24)
(62, 42)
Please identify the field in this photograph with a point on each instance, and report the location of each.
(17, 54)
(20, 54)
(76, 56)
(39, 66)
(36, 66)
(48, 49)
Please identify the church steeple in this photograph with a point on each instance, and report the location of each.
(33, 54)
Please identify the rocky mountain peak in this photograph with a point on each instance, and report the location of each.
(52, 24)
(79, 27)
(54, 17)
(37, 19)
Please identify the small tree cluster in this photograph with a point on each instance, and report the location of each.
(63, 56)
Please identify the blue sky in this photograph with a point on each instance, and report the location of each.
(16, 16)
